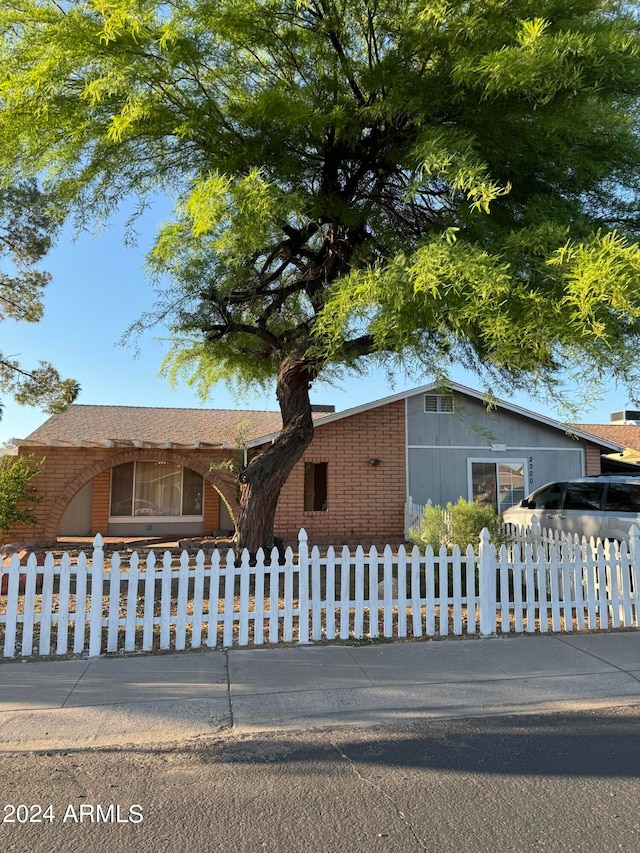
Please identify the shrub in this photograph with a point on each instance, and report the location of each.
(433, 528)
(457, 524)
(17, 494)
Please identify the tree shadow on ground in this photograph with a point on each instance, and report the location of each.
(585, 743)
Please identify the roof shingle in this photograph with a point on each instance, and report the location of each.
(626, 435)
(157, 425)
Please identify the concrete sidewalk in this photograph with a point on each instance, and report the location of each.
(169, 697)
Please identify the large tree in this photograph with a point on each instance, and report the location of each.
(425, 180)
(28, 224)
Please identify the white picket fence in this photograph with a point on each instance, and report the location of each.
(96, 605)
(413, 513)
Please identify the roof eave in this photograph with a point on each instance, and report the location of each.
(122, 443)
(460, 389)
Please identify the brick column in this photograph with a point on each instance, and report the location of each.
(100, 503)
(211, 509)
(592, 461)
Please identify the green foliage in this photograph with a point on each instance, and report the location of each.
(433, 528)
(233, 466)
(17, 493)
(421, 180)
(28, 222)
(458, 524)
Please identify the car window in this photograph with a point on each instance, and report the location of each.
(623, 497)
(547, 498)
(583, 496)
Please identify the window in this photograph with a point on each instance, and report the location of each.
(623, 497)
(441, 404)
(122, 489)
(315, 486)
(143, 489)
(583, 496)
(191, 492)
(499, 484)
(550, 497)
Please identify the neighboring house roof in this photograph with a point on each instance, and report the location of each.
(627, 435)
(434, 387)
(127, 425)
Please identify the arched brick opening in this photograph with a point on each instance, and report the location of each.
(219, 479)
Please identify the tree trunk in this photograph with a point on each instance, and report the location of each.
(264, 477)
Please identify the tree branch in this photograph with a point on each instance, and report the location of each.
(217, 332)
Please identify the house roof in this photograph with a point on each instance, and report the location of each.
(129, 425)
(150, 426)
(577, 431)
(627, 435)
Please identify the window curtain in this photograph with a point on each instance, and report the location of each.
(122, 489)
(157, 489)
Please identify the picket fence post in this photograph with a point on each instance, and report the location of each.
(536, 538)
(634, 552)
(487, 585)
(303, 586)
(95, 614)
(409, 517)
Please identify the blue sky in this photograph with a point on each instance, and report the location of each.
(99, 289)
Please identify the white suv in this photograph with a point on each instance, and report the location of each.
(602, 506)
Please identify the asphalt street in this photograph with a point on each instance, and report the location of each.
(554, 782)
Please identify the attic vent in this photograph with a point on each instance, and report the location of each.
(439, 403)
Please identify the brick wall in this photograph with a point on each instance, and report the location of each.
(67, 469)
(100, 502)
(211, 508)
(592, 462)
(363, 502)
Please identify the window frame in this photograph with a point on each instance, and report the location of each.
(153, 519)
(440, 409)
(494, 461)
(307, 466)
